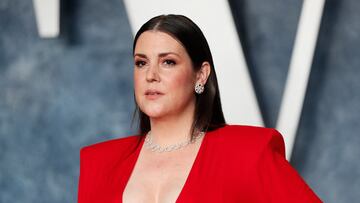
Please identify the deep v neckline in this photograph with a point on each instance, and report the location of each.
(130, 163)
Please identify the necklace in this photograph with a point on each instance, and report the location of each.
(150, 144)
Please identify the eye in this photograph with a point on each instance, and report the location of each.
(140, 63)
(169, 62)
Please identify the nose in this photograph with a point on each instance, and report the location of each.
(152, 73)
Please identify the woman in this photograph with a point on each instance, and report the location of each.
(185, 152)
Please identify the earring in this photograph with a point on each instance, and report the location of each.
(199, 88)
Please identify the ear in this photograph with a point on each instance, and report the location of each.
(203, 74)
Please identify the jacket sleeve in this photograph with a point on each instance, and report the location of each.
(83, 184)
(279, 180)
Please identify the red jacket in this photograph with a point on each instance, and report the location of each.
(234, 164)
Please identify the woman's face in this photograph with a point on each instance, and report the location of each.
(163, 75)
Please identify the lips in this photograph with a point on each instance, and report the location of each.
(153, 94)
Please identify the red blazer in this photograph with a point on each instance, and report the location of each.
(234, 164)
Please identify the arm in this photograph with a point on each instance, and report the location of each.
(83, 177)
(279, 180)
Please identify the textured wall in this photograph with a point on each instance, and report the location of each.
(57, 95)
(327, 148)
(326, 151)
(60, 94)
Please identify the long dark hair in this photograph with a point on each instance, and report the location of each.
(208, 112)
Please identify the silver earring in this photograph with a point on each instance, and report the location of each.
(199, 88)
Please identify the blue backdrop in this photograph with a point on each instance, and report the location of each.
(57, 95)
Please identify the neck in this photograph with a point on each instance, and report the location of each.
(172, 128)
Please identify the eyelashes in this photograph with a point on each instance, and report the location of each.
(140, 63)
(169, 62)
(166, 62)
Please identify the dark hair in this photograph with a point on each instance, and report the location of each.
(208, 112)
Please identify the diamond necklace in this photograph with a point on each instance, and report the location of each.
(150, 144)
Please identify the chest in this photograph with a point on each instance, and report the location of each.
(205, 176)
(159, 177)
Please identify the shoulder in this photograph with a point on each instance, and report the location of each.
(246, 130)
(116, 148)
(98, 163)
(255, 161)
(249, 139)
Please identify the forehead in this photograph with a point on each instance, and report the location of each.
(157, 41)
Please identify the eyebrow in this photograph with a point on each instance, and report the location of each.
(160, 55)
(140, 55)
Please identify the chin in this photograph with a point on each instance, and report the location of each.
(154, 113)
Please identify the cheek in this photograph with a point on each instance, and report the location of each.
(136, 83)
(138, 89)
(182, 84)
